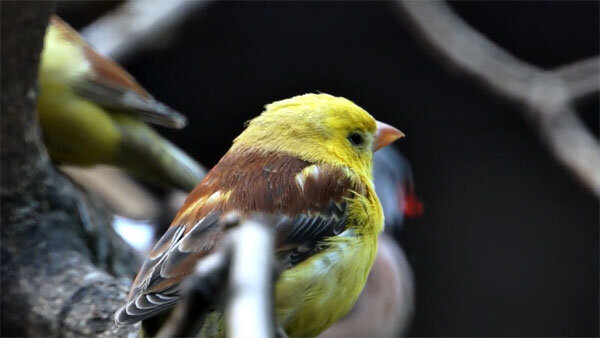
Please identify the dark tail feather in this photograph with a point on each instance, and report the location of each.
(157, 161)
(180, 169)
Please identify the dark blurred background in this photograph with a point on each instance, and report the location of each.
(509, 241)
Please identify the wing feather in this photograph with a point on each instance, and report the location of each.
(307, 212)
(117, 97)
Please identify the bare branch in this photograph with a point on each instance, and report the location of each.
(137, 24)
(469, 50)
(544, 95)
(582, 78)
(123, 195)
(249, 310)
(573, 145)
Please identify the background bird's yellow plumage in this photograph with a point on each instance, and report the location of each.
(92, 111)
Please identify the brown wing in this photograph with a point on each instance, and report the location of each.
(112, 87)
(307, 199)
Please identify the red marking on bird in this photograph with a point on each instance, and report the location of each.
(413, 207)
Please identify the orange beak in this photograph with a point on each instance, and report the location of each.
(385, 135)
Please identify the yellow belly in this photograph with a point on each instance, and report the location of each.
(319, 291)
(314, 294)
(76, 131)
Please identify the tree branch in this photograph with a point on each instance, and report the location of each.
(582, 78)
(136, 24)
(242, 269)
(62, 265)
(545, 96)
(249, 310)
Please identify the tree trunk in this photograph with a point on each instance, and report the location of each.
(64, 271)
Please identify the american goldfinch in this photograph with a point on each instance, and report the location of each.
(307, 160)
(92, 111)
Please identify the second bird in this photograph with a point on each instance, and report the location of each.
(93, 112)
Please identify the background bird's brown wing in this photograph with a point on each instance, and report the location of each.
(112, 87)
(305, 215)
(116, 97)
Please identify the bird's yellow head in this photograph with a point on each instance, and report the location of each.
(63, 58)
(318, 128)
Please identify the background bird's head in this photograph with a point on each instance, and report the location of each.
(62, 57)
(318, 128)
(395, 186)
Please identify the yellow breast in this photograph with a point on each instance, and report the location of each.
(314, 294)
(319, 291)
(76, 131)
(322, 289)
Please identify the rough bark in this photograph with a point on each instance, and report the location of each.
(64, 272)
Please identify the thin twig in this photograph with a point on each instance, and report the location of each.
(469, 50)
(582, 78)
(249, 310)
(136, 24)
(545, 95)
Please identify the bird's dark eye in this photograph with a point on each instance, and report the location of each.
(356, 139)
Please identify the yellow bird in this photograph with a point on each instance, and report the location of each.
(92, 111)
(307, 160)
